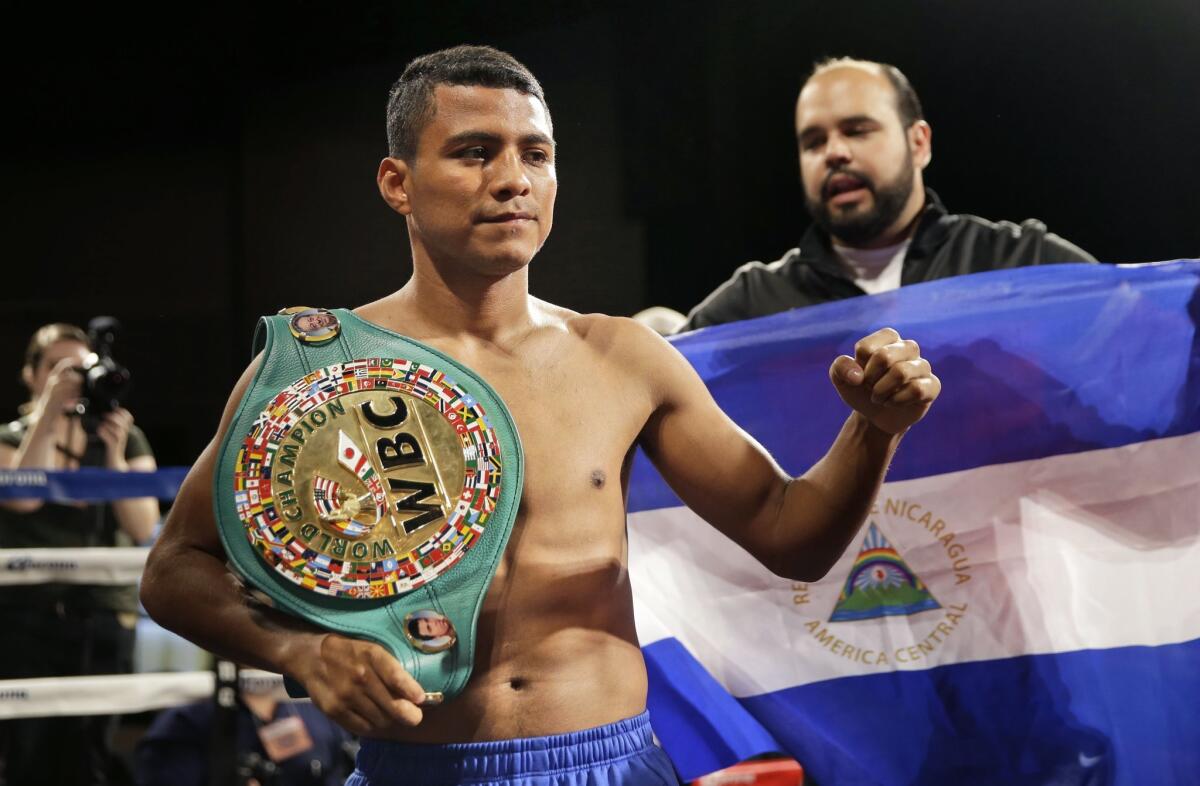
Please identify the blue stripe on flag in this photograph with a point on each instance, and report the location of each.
(1037, 719)
(695, 718)
(1035, 362)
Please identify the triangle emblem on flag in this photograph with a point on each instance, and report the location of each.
(881, 584)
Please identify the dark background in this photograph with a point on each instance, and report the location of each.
(189, 172)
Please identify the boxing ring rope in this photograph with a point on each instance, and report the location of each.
(102, 565)
(117, 694)
(108, 694)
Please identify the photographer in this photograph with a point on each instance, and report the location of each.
(55, 630)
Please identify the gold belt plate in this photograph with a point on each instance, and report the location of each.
(367, 479)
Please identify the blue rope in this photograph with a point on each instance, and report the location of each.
(90, 484)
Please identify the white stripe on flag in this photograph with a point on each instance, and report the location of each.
(1041, 556)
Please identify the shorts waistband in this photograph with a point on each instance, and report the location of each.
(501, 759)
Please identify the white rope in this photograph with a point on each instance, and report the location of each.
(72, 566)
(117, 693)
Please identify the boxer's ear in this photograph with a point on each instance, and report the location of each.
(393, 181)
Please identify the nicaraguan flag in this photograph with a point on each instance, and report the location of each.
(1023, 605)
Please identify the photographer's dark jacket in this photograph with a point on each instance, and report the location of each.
(61, 526)
(944, 245)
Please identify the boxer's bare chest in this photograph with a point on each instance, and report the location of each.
(578, 413)
(559, 609)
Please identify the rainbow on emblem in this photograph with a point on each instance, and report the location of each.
(881, 584)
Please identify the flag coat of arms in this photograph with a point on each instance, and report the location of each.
(1022, 604)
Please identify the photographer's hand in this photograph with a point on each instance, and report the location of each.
(113, 431)
(135, 515)
(63, 388)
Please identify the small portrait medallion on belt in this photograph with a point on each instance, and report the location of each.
(311, 325)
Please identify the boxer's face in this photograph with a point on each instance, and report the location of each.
(858, 165)
(481, 190)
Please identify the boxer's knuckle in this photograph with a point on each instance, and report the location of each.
(359, 674)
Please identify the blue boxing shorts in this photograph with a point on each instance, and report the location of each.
(619, 754)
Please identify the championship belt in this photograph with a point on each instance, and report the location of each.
(368, 484)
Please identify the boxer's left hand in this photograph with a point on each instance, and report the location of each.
(887, 381)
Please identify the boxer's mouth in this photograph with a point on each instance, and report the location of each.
(502, 218)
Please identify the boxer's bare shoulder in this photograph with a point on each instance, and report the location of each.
(636, 348)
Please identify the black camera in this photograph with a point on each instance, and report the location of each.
(105, 381)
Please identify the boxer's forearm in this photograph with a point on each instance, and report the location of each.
(821, 510)
(191, 592)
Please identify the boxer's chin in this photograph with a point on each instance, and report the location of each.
(507, 259)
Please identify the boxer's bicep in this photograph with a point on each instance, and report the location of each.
(716, 468)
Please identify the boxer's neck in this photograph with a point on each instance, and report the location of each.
(462, 303)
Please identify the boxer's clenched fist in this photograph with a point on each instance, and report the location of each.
(887, 381)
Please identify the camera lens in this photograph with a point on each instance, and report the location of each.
(105, 384)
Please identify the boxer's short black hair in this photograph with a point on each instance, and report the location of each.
(411, 105)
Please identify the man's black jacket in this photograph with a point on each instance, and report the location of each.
(944, 245)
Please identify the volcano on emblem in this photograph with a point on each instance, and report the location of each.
(881, 584)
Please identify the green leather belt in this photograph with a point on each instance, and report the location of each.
(368, 484)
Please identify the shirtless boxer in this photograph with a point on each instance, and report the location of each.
(557, 668)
